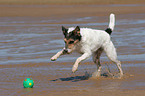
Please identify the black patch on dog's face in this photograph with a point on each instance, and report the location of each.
(71, 38)
(75, 34)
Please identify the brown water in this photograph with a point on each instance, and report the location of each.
(27, 40)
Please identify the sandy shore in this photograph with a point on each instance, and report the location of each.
(50, 82)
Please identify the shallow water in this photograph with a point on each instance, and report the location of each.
(35, 40)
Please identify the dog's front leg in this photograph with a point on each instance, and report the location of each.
(83, 57)
(63, 51)
(56, 55)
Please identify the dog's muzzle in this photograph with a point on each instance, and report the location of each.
(67, 51)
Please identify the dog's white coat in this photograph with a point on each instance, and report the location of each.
(91, 41)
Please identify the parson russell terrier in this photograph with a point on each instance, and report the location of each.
(90, 42)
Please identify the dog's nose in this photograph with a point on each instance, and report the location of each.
(65, 51)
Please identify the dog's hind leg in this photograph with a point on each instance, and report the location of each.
(112, 55)
(96, 59)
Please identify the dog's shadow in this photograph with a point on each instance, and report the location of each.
(79, 78)
(75, 78)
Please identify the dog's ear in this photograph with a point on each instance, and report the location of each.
(77, 31)
(64, 30)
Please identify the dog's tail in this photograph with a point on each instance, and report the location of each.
(111, 24)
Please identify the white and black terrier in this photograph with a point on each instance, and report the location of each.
(90, 42)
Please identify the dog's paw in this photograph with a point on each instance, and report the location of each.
(74, 69)
(53, 59)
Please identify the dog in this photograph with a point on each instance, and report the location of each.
(90, 42)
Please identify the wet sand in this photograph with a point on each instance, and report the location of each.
(67, 11)
(30, 35)
(69, 2)
(53, 79)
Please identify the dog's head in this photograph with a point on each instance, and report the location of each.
(71, 38)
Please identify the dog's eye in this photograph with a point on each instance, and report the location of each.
(71, 42)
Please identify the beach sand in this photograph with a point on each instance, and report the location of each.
(55, 78)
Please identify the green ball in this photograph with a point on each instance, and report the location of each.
(28, 83)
